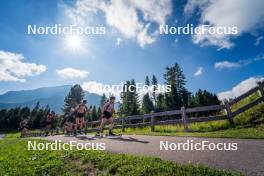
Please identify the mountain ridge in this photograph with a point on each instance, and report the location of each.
(52, 96)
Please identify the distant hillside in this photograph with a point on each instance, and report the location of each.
(52, 96)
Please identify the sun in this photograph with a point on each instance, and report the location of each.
(74, 42)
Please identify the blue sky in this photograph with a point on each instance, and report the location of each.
(125, 51)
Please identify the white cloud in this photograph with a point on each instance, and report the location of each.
(193, 5)
(241, 88)
(124, 16)
(154, 10)
(118, 41)
(207, 39)
(144, 38)
(226, 64)
(258, 40)
(71, 73)
(12, 67)
(199, 71)
(247, 15)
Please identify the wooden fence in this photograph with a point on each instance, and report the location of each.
(182, 116)
(185, 114)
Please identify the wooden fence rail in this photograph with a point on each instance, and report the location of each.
(182, 116)
(152, 118)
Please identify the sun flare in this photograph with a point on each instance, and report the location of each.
(74, 42)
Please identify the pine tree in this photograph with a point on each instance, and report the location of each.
(3, 119)
(178, 96)
(160, 106)
(204, 98)
(33, 116)
(14, 119)
(37, 121)
(147, 104)
(129, 99)
(10, 119)
(134, 99)
(25, 112)
(45, 113)
(9, 116)
(94, 114)
(124, 105)
(74, 97)
(154, 83)
(147, 81)
(88, 116)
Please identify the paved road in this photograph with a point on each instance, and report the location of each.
(1, 136)
(249, 158)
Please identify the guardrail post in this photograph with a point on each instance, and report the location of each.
(261, 89)
(152, 122)
(184, 119)
(123, 124)
(229, 113)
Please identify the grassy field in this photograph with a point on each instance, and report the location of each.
(15, 159)
(238, 132)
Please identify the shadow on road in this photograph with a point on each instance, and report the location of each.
(129, 139)
(84, 138)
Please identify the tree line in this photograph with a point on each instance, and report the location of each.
(157, 102)
(131, 102)
(10, 118)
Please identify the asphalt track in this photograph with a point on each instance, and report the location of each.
(1, 136)
(248, 158)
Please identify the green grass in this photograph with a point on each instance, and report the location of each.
(238, 132)
(245, 101)
(15, 159)
(249, 124)
(193, 127)
(253, 116)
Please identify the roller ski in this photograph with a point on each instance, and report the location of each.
(112, 135)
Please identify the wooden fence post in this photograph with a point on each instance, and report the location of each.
(261, 89)
(229, 113)
(152, 122)
(123, 124)
(184, 119)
